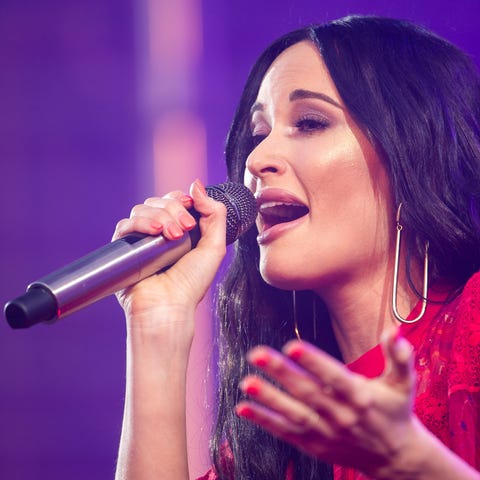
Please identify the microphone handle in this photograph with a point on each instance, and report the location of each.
(98, 274)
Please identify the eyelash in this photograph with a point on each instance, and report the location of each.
(310, 124)
(306, 124)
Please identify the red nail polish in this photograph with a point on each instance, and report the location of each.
(261, 360)
(252, 388)
(174, 230)
(244, 411)
(186, 220)
(295, 352)
(186, 199)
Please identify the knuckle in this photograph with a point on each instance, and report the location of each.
(175, 195)
(346, 421)
(308, 393)
(151, 200)
(361, 399)
(120, 225)
(135, 210)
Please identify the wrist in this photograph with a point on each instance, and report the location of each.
(163, 326)
(424, 457)
(409, 460)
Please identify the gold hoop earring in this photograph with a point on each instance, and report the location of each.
(295, 320)
(295, 317)
(395, 276)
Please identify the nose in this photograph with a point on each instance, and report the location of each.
(265, 160)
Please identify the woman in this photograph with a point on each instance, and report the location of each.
(348, 133)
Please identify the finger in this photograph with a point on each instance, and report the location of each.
(178, 199)
(159, 215)
(175, 207)
(399, 354)
(295, 380)
(338, 409)
(138, 224)
(202, 202)
(342, 383)
(302, 397)
(213, 216)
(282, 415)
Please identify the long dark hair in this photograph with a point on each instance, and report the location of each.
(417, 98)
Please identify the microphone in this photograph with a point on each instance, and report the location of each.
(122, 263)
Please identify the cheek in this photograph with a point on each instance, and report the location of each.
(334, 174)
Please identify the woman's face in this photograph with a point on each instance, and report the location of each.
(324, 196)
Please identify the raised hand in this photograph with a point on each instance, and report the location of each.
(333, 414)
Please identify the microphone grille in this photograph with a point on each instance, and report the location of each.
(241, 207)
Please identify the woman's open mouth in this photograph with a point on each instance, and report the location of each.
(273, 213)
(278, 210)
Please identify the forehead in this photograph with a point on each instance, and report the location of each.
(298, 67)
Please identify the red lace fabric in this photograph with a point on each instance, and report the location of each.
(447, 350)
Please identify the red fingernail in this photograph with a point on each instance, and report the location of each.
(174, 230)
(260, 359)
(251, 387)
(186, 220)
(295, 352)
(186, 199)
(244, 411)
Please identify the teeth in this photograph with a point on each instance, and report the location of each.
(281, 210)
(267, 205)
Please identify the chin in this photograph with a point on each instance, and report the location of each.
(283, 280)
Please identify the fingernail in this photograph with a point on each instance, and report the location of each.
(186, 200)
(174, 230)
(259, 359)
(201, 188)
(244, 411)
(186, 220)
(295, 352)
(250, 387)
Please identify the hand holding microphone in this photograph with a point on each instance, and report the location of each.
(167, 233)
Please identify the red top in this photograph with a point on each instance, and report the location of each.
(447, 361)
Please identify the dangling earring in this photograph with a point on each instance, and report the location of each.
(295, 320)
(395, 276)
(295, 317)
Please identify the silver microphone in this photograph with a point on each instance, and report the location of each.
(121, 264)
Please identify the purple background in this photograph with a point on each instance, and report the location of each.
(70, 132)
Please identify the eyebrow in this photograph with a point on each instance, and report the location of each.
(300, 94)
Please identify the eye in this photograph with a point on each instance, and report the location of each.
(257, 139)
(260, 131)
(309, 124)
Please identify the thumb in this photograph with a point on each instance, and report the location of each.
(399, 357)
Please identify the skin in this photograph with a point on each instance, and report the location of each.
(310, 150)
(347, 237)
(160, 327)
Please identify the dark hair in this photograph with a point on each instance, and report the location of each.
(417, 98)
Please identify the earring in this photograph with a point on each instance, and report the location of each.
(295, 316)
(295, 320)
(395, 276)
